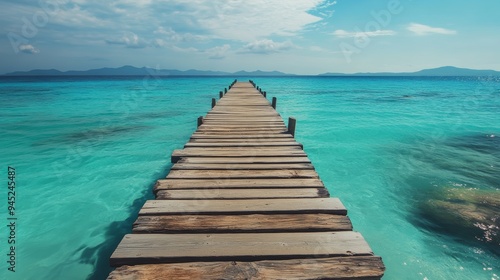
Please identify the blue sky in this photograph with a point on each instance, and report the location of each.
(294, 36)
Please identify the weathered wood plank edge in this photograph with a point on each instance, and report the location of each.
(170, 248)
(243, 194)
(256, 223)
(172, 184)
(251, 206)
(240, 166)
(342, 268)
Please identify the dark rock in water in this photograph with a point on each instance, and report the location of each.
(482, 143)
(467, 213)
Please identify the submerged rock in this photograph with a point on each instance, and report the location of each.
(467, 213)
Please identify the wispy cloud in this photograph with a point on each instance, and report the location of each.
(421, 29)
(171, 35)
(346, 34)
(168, 23)
(218, 52)
(246, 21)
(29, 49)
(130, 40)
(325, 9)
(266, 46)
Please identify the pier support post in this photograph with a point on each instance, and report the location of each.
(213, 102)
(264, 93)
(200, 121)
(274, 103)
(291, 125)
(221, 94)
(225, 90)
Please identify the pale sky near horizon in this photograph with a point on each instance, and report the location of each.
(294, 36)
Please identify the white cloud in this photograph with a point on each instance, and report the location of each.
(130, 40)
(421, 29)
(325, 9)
(266, 46)
(190, 50)
(218, 52)
(243, 20)
(77, 16)
(346, 34)
(173, 36)
(29, 49)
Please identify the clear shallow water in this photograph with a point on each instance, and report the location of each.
(399, 152)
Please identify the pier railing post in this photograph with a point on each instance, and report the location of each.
(213, 102)
(291, 125)
(274, 103)
(200, 121)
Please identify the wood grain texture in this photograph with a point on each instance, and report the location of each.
(168, 248)
(250, 206)
(241, 166)
(339, 268)
(243, 140)
(172, 184)
(245, 160)
(241, 144)
(238, 152)
(257, 223)
(242, 174)
(250, 136)
(243, 193)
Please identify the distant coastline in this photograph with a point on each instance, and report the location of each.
(143, 71)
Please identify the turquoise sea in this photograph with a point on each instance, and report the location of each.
(415, 160)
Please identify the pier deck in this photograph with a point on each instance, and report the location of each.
(243, 201)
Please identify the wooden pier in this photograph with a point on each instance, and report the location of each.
(243, 201)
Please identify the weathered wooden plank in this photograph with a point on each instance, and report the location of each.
(248, 127)
(230, 120)
(250, 118)
(243, 193)
(235, 114)
(241, 223)
(249, 152)
(251, 206)
(245, 140)
(242, 174)
(243, 132)
(240, 166)
(239, 103)
(337, 268)
(163, 248)
(241, 144)
(244, 111)
(246, 160)
(172, 184)
(241, 149)
(254, 136)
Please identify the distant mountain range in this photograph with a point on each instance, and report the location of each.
(435, 72)
(144, 71)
